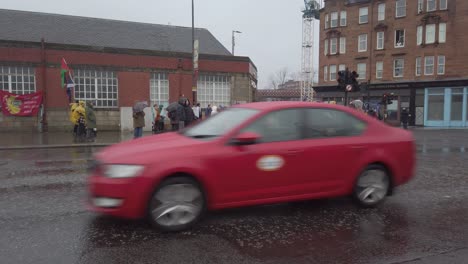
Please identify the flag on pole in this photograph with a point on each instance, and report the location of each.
(67, 80)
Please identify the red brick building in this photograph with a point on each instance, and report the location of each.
(114, 64)
(413, 48)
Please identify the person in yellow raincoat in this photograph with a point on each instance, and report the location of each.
(77, 113)
(72, 109)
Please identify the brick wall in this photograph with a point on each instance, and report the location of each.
(133, 86)
(241, 88)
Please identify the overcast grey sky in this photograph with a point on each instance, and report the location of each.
(271, 29)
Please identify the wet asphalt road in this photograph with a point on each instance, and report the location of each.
(43, 219)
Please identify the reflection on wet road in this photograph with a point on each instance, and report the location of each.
(43, 220)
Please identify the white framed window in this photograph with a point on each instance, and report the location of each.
(159, 88)
(334, 19)
(362, 47)
(361, 70)
(440, 65)
(442, 32)
(325, 47)
(419, 35)
(420, 6)
(343, 18)
(430, 33)
(342, 45)
(400, 10)
(429, 65)
(363, 15)
(332, 72)
(380, 40)
(326, 21)
(418, 66)
(214, 90)
(17, 80)
(325, 73)
(443, 4)
(399, 38)
(379, 70)
(381, 12)
(398, 67)
(431, 5)
(333, 46)
(97, 86)
(341, 67)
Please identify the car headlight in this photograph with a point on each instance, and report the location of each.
(122, 171)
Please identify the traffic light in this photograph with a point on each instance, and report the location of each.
(387, 98)
(342, 80)
(354, 82)
(346, 78)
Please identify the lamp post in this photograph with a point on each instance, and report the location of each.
(234, 39)
(195, 63)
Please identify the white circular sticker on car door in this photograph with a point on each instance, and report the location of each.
(270, 163)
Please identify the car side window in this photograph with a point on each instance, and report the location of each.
(323, 122)
(282, 125)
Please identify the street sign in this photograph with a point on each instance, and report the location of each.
(349, 88)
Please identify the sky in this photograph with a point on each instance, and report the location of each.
(271, 29)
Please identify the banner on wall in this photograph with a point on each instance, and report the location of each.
(20, 105)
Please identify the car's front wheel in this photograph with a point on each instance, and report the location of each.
(176, 204)
(372, 186)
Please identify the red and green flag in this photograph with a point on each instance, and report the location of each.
(67, 80)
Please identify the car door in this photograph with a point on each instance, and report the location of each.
(334, 141)
(267, 169)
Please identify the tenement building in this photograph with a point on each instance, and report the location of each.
(415, 49)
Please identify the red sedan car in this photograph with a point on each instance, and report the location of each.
(252, 154)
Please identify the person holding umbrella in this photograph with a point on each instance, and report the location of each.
(139, 118)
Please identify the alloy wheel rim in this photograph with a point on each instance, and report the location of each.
(372, 186)
(177, 204)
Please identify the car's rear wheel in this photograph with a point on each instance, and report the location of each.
(176, 204)
(372, 186)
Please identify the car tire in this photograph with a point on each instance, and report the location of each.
(372, 186)
(176, 204)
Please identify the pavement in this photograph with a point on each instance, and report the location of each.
(60, 139)
(9, 141)
(43, 218)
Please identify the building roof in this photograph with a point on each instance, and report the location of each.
(74, 30)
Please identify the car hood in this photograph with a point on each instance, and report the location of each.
(144, 150)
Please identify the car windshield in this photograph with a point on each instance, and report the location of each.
(221, 123)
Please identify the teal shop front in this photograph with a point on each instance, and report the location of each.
(446, 107)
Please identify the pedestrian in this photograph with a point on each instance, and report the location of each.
(161, 120)
(404, 117)
(79, 117)
(189, 114)
(91, 123)
(156, 118)
(208, 111)
(138, 123)
(197, 111)
(74, 116)
(176, 112)
(214, 110)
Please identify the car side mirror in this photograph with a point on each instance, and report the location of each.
(246, 138)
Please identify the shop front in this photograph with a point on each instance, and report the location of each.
(446, 107)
